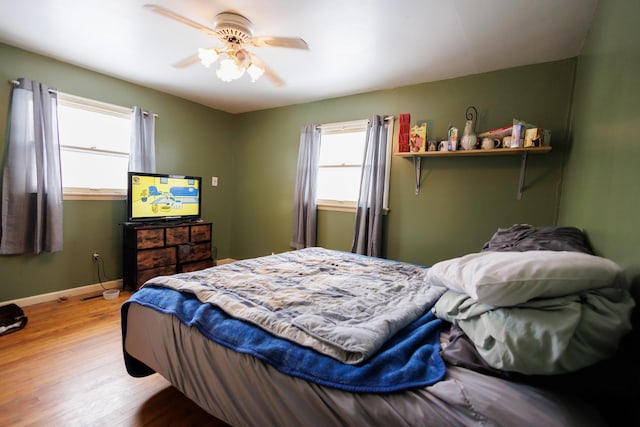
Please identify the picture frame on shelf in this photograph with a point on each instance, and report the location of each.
(418, 138)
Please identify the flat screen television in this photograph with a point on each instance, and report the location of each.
(159, 197)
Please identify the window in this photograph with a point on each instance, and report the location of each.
(340, 164)
(94, 148)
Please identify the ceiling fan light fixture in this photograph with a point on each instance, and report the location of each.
(255, 72)
(235, 32)
(207, 56)
(229, 70)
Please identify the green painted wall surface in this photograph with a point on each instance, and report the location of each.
(462, 201)
(190, 139)
(602, 172)
(335, 230)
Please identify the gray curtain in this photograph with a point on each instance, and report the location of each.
(367, 237)
(142, 157)
(31, 174)
(303, 233)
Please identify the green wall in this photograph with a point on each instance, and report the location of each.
(190, 139)
(600, 193)
(462, 201)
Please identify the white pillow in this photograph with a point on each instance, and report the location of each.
(510, 278)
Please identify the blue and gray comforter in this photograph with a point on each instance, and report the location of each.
(307, 312)
(340, 304)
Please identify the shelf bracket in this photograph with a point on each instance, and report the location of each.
(523, 168)
(417, 165)
(523, 162)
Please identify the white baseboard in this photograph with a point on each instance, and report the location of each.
(52, 296)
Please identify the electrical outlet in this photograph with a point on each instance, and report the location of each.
(95, 256)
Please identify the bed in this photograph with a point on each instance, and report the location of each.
(320, 337)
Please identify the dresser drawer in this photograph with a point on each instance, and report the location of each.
(194, 266)
(201, 233)
(153, 249)
(194, 252)
(144, 275)
(177, 235)
(156, 258)
(151, 238)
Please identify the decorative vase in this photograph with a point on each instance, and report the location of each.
(469, 139)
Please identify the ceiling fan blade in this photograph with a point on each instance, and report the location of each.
(289, 42)
(190, 60)
(172, 15)
(268, 72)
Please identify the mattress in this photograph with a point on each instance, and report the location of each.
(244, 391)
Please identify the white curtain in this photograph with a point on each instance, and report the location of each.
(142, 157)
(31, 174)
(367, 238)
(304, 231)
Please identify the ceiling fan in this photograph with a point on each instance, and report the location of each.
(236, 32)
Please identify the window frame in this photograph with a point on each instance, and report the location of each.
(92, 105)
(348, 126)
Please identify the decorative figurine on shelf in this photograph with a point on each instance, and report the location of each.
(452, 137)
(469, 139)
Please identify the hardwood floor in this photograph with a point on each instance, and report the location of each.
(65, 368)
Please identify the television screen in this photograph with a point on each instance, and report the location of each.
(154, 196)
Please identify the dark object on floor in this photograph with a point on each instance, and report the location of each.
(12, 319)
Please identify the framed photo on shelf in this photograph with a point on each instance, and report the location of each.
(418, 138)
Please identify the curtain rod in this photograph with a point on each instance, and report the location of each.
(348, 124)
(17, 83)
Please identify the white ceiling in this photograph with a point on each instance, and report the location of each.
(355, 46)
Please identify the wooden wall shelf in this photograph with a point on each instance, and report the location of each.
(417, 159)
(478, 152)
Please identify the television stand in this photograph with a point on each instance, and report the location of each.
(161, 249)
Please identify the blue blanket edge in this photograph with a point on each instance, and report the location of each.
(410, 359)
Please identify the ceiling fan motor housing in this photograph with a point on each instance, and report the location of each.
(233, 28)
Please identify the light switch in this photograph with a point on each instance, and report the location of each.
(214, 181)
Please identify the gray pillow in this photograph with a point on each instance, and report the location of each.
(524, 237)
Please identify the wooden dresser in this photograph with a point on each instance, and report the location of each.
(160, 250)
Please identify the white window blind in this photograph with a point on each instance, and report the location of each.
(340, 164)
(94, 144)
